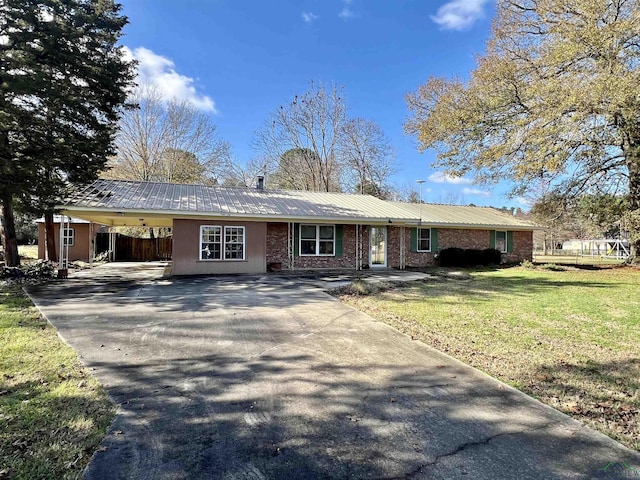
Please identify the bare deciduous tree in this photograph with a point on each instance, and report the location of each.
(310, 127)
(167, 141)
(311, 144)
(367, 157)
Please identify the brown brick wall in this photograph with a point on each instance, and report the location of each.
(277, 250)
(522, 248)
(447, 237)
(277, 243)
(465, 238)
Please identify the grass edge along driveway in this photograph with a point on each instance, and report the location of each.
(568, 337)
(54, 413)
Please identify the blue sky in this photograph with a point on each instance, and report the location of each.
(240, 60)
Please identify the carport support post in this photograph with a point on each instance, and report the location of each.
(92, 245)
(112, 245)
(60, 243)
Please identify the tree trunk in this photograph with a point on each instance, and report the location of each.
(9, 240)
(51, 251)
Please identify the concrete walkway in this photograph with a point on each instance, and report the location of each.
(270, 378)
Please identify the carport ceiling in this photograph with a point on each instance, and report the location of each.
(122, 219)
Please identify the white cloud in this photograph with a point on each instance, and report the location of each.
(525, 202)
(476, 191)
(309, 17)
(346, 13)
(459, 14)
(160, 72)
(441, 177)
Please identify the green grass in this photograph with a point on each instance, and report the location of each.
(569, 338)
(576, 260)
(53, 413)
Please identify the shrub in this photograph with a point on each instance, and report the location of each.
(491, 256)
(527, 264)
(451, 257)
(470, 257)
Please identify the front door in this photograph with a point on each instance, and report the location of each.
(378, 247)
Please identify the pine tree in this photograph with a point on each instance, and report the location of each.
(64, 84)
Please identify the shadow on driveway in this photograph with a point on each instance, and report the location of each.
(265, 378)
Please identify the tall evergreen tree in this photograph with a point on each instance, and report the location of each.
(64, 82)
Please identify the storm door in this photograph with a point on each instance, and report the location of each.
(378, 247)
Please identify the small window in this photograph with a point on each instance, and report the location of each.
(308, 242)
(68, 236)
(424, 239)
(501, 241)
(317, 240)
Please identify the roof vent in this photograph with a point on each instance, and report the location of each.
(260, 185)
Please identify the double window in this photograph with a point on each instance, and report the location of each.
(222, 243)
(68, 236)
(424, 239)
(317, 240)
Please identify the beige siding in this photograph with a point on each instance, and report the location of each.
(82, 241)
(186, 249)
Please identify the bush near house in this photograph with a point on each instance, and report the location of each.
(468, 257)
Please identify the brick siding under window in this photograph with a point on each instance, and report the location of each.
(447, 237)
(460, 238)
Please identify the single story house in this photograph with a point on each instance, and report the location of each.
(223, 230)
(77, 233)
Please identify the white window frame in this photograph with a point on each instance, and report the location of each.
(223, 231)
(505, 241)
(228, 243)
(68, 236)
(318, 240)
(419, 239)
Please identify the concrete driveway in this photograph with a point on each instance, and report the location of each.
(270, 378)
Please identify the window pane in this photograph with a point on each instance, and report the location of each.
(67, 236)
(326, 232)
(308, 232)
(308, 247)
(211, 243)
(326, 248)
(234, 243)
(211, 251)
(233, 252)
(424, 239)
(501, 241)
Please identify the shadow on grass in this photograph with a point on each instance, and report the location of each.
(48, 434)
(476, 288)
(605, 393)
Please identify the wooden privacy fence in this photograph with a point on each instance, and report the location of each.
(132, 249)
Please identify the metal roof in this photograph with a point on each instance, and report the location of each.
(464, 216)
(126, 197)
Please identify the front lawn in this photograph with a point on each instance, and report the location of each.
(570, 338)
(52, 412)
